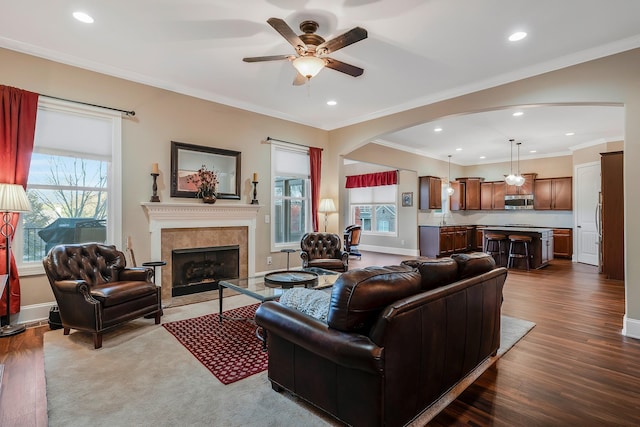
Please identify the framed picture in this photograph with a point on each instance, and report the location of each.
(186, 159)
(407, 199)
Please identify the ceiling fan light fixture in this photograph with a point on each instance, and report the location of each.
(308, 66)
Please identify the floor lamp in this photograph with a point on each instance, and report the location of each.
(13, 199)
(326, 207)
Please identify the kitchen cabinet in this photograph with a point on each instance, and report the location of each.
(612, 215)
(492, 195)
(553, 194)
(439, 241)
(562, 243)
(471, 192)
(479, 243)
(458, 199)
(430, 193)
(526, 188)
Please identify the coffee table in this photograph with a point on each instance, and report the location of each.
(277, 282)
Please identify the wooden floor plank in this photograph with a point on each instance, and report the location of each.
(574, 368)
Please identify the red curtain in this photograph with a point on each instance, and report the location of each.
(372, 179)
(315, 168)
(17, 129)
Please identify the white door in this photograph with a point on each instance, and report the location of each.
(587, 193)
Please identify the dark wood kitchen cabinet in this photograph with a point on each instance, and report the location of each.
(612, 221)
(526, 188)
(430, 193)
(457, 201)
(553, 194)
(562, 243)
(471, 192)
(492, 195)
(439, 241)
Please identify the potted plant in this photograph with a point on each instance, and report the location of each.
(207, 183)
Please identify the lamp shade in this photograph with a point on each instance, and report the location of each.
(13, 198)
(511, 179)
(308, 66)
(326, 205)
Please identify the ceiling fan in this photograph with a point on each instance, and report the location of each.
(311, 49)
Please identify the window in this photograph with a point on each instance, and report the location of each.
(291, 195)
(374, 209)
(73, 183)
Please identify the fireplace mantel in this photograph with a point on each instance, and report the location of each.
(200, 215)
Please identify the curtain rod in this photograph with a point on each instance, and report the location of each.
(126, 112)
(288, 142)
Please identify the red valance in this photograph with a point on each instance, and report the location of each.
(372, 179)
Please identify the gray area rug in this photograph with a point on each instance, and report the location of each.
(144, 377)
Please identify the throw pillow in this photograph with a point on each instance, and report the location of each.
(312, 302)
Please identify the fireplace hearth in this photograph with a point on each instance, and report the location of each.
(199, 269)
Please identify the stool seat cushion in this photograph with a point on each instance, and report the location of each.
(519, 238)
(495, 236)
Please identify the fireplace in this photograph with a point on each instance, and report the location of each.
(174, 226)
(199, 269)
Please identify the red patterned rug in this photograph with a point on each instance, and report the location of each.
(230, 350)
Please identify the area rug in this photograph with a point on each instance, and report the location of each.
(229, 349)
(142, 376)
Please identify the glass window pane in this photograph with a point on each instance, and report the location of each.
(69, 204)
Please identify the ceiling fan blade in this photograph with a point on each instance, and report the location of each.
(285, 31)
(350, 37)
(268, 58)
(299, 79)
(343, 67)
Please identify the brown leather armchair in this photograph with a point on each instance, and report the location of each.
(95, 291)
(323, 250)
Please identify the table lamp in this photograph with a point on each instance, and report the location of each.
(13, 199)
(326, 207)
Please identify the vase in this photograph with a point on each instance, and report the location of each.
(209, 199)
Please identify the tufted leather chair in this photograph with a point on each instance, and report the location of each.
(323, 250)
(95, 291)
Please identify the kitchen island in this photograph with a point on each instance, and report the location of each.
(540, 248)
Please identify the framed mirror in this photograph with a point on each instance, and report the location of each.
(186, 159)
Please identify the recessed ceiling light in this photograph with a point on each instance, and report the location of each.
(83, 17)
(533, 151)
(458, 149)
(483, 157)
(518, 114)
(570, 133)
(517, 36)
(437, 129)
(332, 102)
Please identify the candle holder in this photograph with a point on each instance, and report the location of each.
(255, 193)
(155, 197)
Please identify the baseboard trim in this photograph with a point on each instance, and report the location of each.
(630, 327)
(33, 314)
(388, 250)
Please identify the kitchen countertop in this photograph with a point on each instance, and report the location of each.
(514, 228)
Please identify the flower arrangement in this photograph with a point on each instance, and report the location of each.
(206, 181)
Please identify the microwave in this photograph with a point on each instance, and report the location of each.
(518, 201)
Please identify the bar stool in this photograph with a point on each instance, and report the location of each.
(519, 248)
(493, 245)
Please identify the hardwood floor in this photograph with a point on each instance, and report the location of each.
(573, 368)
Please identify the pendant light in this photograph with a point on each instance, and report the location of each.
(511, 178)
(519, 178)
(450, 189)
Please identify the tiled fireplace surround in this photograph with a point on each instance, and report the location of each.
(195, 225)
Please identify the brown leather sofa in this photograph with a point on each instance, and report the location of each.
(323, 250)
(396, 338)
(95, 291)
